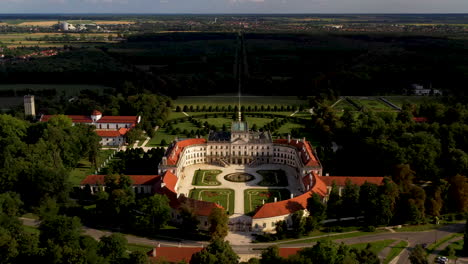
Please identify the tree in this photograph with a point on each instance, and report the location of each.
(334, 203)
(218, 220)
(155, 212)
(458, 194)
(465, 239)
(270, 255)
(113, 247)
(138, 257)
(298, 223)
(418, 255)
(218, 251)
(350, 199)
(189, 220)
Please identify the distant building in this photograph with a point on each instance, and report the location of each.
(29, 106)
(420, 90)
(111, 129)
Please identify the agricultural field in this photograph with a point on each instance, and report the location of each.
(233, 100)
(223, 197)
(273, 178)
(254, 198)
(206, 178)
(56, 39)
(50, 23)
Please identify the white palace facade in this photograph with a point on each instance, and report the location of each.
(241, 146)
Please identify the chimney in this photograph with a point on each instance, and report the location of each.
(153, 252)
(289, 138)
(292, 195)
(304, 139)
(276, 199)
(327, 174)
(263, 201)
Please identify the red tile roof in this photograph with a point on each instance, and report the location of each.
(286, 252)
(170, 180)
(420, 119)
(341, 180)
(112, 133)
(291, 205)
(74, 118)
(119, 119)
(174, 254)
(307, 155)
(136, 179)
(175, 151)
(200, 208)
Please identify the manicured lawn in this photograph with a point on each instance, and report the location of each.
(85, 168)
(254, 198)
(138, 247)
(224, 197)
(343, 104)
(206, 178)
(273, 178)
(259, 121)
(232, 100)
(395, 251)
(286, 128)
(376, 246)
(372, 104)
(400, 100)
(160, 135)
(218, 122)
(335, 237)
(175, 115)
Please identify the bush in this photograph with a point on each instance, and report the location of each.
(368, 229)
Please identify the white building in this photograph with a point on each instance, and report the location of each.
(111, 129)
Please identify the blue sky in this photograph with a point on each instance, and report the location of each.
(233, 6)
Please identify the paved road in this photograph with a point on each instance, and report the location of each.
(413, 238)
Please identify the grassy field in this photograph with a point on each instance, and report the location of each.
(343, 104)
(218, 122)
(441, 241)
(234, 100)
(376, 246)
(457, 246)
(373, 104)
(62, 89)
(85, 168)
(138, 247)
(224, 197)
(273, 178)
(400, 100)
(254, 198)
(333, 236)
(395, 251)
(33, 39)
(206, 178)
(286, 128)
(160, 135)
(259, 121)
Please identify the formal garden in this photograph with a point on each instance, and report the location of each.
(223, 197)
(206, 178)
(254, 198)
